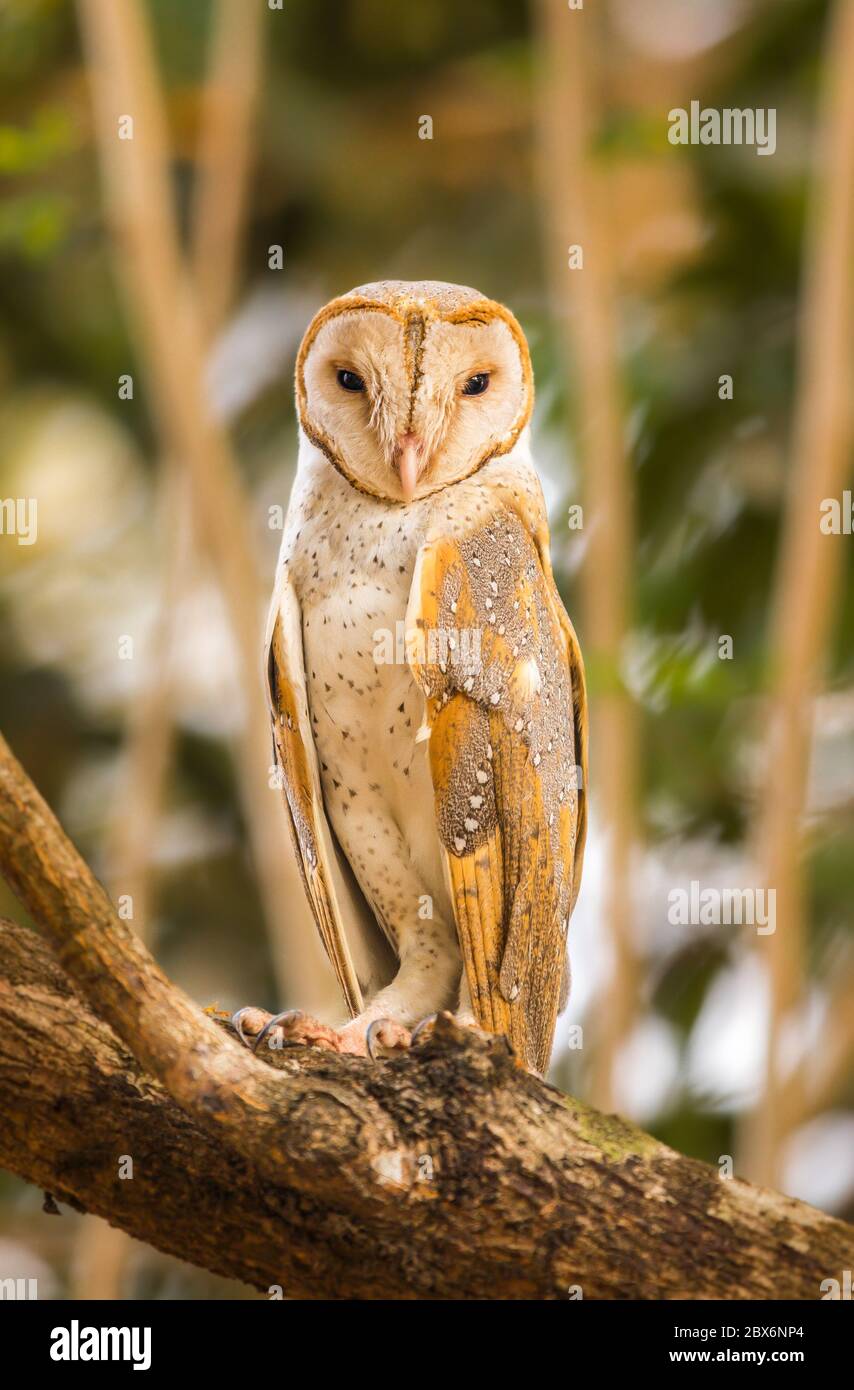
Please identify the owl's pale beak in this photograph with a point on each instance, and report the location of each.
(408, 460)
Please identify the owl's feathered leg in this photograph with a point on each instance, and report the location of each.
(426, 981)
(378, 1031)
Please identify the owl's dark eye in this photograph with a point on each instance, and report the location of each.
(477, 384)
(350, 381)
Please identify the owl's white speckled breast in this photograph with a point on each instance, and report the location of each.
(352, 560)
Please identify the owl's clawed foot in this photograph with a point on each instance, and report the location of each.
(257, 1029)
(362, 1037)
(384, 1035)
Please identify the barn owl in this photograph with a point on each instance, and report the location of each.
(426, 686)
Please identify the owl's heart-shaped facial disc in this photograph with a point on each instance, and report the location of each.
(407, 387)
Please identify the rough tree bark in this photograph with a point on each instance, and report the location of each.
(447, 1172)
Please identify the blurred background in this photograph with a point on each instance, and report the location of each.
(693, 372)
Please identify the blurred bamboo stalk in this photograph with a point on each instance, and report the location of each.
(225, 158)
(99, 1260)
(167, 325)
(217, 224)
(834, 1065)
(575, 195)
(807, 578)
(132, 831)
(101, 1251)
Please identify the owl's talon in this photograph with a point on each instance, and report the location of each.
(370, 1036)
(297, 1029)
(237, 1020)
(389, 1035)
(273, 1022)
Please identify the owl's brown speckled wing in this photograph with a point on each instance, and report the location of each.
(498, 661)
(343, 918)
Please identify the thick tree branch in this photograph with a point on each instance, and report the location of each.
(74, 1101)
(207, 1073)
(448, 1172)
(521, 1191)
